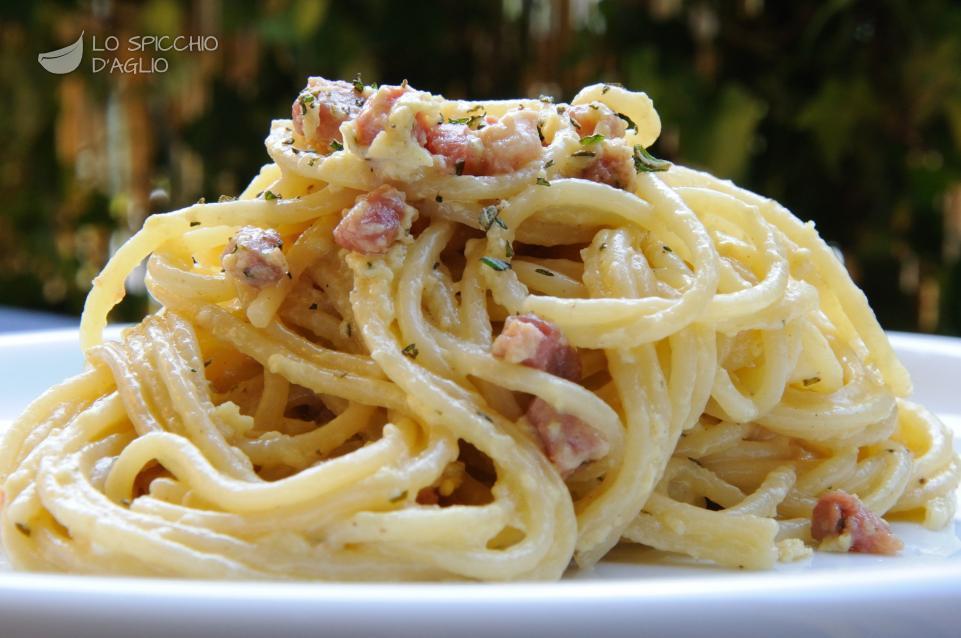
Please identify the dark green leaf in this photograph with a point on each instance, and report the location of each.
(644, 162)
(497, 264)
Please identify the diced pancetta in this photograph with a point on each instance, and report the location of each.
(567, 440)
(613, 165)
(536, 343)
(373, 117)
(529, 340)
(375, 221)
(253, 257)
(321, 108)
(841, 522)
(499, 147)
(596, 119)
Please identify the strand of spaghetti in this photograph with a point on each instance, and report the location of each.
(107, 290)
(184, 460)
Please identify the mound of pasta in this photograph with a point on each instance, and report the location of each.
(445, 339)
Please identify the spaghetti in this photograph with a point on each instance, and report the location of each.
(444, 339)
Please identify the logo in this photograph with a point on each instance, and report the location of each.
(63, 60)
(137, 54)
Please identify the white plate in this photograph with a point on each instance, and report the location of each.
(633, 592)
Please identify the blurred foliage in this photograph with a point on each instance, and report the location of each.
(848, 112)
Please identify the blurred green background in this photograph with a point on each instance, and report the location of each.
(848, 112)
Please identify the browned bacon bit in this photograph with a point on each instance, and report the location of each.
(428, 496)
(373, 117)
(333, 102)
(531, 341)
(253, 257)
(841, 522)
(503, 146)
(375, 221)
(597, 119)
(536, 343)
(613, 165)
(568, 441)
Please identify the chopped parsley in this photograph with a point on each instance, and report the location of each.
(546, 99)
(471, 120)
(489, 216)
(666, 249)
(584, 154)
(508, 250)
(306, 99)
(410, 351)
(496, 264)
(271, 195)
(644, 162)
(540, 133)
(358, 84)
(399, 497)
(542, 182)
(544, 271)
(337, 146)
(192, 224)
(574, 123)
(630, 123)
(22, 528)
(548, 163)
(226, 198)
(591, 139)
(811, 381)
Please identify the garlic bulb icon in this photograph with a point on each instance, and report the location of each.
(63, 60)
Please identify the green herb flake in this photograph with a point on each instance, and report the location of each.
(22, 528)
(271, 196)
(337, 146)
(410, 351)
(459, 120)
(508, 250)
(192, 224)
(306, 100)
(591, 139)
(399, 497)
(667, 249)
(358, 84)
(630, 123)
(574, 122)
(542, 182)
(548, 163)
(489, 216)
(226, 198)
(811, 381)
(486, 417)
(584, 154)
(496, 264)
(540, 133)
(546, 99)
(544, 271)
(644, 162)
